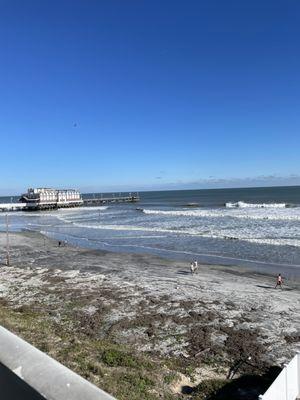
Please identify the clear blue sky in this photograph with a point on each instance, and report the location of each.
(149, 93)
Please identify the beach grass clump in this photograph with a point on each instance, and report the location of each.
(25, 309)
(294, 338)
(244, 347)
(170, 377)
(208, 389)
(118, 358)
(3, 301)
(139, 381)
(118, 370)
(135, 386)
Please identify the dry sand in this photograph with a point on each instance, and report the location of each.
(156, 304)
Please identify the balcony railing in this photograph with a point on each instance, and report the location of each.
(28, 374)
(287, 385)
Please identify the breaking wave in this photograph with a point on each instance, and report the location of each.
(242, 204)
(129, 228)
(256, 213)
(197, 231)
(80, 209)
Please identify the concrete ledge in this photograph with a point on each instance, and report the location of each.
(13, 387)
(37, 376)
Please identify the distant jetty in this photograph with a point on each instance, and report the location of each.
(51, 199)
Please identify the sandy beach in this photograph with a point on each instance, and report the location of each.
(191, 327)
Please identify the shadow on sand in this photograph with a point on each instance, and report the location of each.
(182, 272)
(265, 287)
(247, 387)
(273, 288)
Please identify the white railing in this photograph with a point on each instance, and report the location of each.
(287, 385)
(27, 373)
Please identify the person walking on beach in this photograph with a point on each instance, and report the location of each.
(279, 281)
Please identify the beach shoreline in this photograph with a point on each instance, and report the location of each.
(225, 264)
(253, 229)
(154, 305)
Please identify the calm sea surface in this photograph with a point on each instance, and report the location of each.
(253, 227)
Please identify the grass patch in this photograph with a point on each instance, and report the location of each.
(117, 358)
(116, 369)
(138, 381)
(208, 389)
(169, 378)
(135, 386)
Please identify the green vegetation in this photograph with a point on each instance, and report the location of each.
(169, 378)
(135, 386)
(208, 389)
(117, 358)
(82, 342)
(112, 367)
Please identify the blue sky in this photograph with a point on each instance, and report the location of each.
(116, 95)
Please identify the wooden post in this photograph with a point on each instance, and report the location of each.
(7, 243)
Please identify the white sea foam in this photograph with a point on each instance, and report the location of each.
(129, 228)
(275, 241)
(242, 204)
(249, 235)
(277, 213)
(84, 213)
(269, 225)
(82, 209)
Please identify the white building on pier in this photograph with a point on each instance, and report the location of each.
(45, 198)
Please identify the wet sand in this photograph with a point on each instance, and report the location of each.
(157, 305)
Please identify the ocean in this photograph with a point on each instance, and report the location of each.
(257, 228)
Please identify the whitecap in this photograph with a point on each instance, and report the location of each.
(242, 204)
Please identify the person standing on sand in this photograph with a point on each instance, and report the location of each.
(279, 281)
(192, 268)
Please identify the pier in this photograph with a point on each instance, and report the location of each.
(94, 201)
(36, 204)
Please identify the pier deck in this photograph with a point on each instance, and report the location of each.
(113, 199)
(52, 205)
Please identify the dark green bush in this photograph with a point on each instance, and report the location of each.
(117, 358)
(208, 388)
